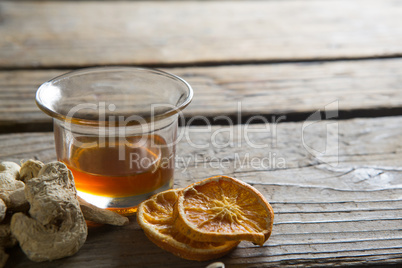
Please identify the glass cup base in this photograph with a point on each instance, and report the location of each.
(122, 205)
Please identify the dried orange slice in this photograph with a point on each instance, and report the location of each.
(155, 216)
(223, 209)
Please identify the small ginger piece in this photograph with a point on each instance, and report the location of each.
(11, 188)
(103, 216)
(55, 227)
(9, 175)
(30, 169)
(216, 265)
(15, 200)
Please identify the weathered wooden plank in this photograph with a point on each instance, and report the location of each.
(34, 35)
(240, 91)
(343, 207)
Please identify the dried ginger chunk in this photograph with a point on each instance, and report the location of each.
(11, 188)
(9, 175)
(30, 169)
(99, 215)
(15, 200)
(55, 227)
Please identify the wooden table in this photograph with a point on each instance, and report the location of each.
(335, 183)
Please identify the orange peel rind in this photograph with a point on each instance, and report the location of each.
(223, 209)
(155, 216)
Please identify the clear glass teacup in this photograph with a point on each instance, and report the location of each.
(116, 129)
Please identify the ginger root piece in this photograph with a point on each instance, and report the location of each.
(9, 175)
(15, 200)
(55, 227)
(30, 169)
(11, 188)
(103, 216)
(3, 209)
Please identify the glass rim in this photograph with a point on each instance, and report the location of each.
(74, 120)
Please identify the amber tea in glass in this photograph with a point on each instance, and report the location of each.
(116, 128)
(97, 169)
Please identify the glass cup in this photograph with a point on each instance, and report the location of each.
(116, 128)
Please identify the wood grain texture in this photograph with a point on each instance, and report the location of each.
(51, 34)
(335, 186)
(279, 89)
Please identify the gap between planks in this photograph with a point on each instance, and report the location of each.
(198, 64)
(275, 93)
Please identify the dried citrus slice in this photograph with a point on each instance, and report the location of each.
(155, 216)
(222, 209)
